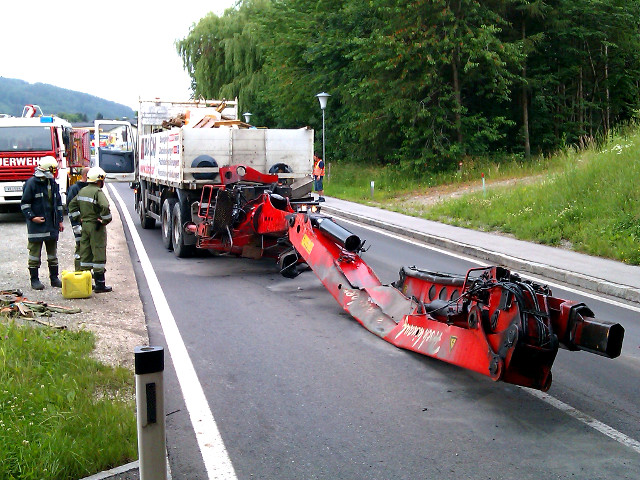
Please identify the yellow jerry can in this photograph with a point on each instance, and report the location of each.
(76, 284)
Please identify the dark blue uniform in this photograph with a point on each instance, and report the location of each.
(41, 198)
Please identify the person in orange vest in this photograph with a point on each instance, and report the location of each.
(318, 175)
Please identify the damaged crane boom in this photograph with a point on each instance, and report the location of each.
(490, 321)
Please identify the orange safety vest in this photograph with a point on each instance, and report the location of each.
(317, 171)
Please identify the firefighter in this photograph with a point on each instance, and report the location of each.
(318, 175)
(42, 207)
(91, 207)
(75, 224)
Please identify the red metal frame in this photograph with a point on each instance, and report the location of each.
(260, 225)
(490, 321)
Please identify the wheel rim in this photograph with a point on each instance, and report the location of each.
(165, 223)
(176, 230)
(141, 211)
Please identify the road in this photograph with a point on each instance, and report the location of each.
(299, 390)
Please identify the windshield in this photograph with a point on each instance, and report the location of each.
(25, 139)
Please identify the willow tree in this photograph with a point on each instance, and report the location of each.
(223, 55)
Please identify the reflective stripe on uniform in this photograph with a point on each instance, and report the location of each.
(74, 214)
(106, 217)
(25, 206)
(31, 257)
(38, 235)
(39, 195)
(85, 199)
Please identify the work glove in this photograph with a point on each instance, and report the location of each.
(77, 230)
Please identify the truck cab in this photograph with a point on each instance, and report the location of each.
(114, 149)
(23, 141)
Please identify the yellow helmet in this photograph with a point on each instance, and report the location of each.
(48, 163)
(95, 174)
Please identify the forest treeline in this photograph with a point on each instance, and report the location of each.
(426, 83)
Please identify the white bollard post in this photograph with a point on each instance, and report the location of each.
(373, 184)
(152, 449)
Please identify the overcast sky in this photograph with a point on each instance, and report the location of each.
(117, 50)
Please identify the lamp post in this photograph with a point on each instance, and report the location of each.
(247, 116)
(322, 98)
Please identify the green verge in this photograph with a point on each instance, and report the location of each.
(587, 201)
(63, 415)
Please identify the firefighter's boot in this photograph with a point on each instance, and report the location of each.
(100, 283)
(36, 284)
(53, 276)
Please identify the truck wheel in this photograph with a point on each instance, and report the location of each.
(167, 224)
(179, 248)
(146, 223)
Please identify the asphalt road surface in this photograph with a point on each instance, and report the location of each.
(299, 390)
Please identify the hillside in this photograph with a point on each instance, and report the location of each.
(15, 94)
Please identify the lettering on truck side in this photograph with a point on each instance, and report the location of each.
(19, 161)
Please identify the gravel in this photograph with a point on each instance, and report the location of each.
(116, 318)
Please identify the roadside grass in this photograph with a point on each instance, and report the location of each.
(352, 182)
(592, 205)
(63, 415)
(587, 201)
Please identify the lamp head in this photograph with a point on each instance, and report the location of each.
(322, 98)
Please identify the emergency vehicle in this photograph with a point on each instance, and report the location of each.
(23, 141)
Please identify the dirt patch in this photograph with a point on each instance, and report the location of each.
(116, 318)
(418, 203)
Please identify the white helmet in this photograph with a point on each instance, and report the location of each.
(95, 174)
(48, 164)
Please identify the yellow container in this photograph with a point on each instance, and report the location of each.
(76, 284)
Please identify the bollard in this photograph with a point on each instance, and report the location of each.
(149, 370)
(484, 190)
(372, 187)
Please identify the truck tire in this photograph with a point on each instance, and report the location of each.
(167, 222)
(179, 248)
(146, 222)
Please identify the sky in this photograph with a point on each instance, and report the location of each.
(116, 50)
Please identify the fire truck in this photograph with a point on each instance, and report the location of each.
(23, 141)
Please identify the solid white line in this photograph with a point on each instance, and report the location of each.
(214, 454)
(481, 264)
(545, 397)
(586, 419)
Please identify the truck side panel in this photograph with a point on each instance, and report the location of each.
(257, 148)
(168, 157)
(291, 147)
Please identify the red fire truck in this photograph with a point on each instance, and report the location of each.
(23, 141)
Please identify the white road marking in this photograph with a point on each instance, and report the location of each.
(482, 264)
(214, 454)
(545, 397)
(586, 419)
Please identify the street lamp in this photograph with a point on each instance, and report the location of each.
(247, 116)
(322, 98)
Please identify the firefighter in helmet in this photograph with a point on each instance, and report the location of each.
(91, 207)
(42, 207)
(76, 226)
